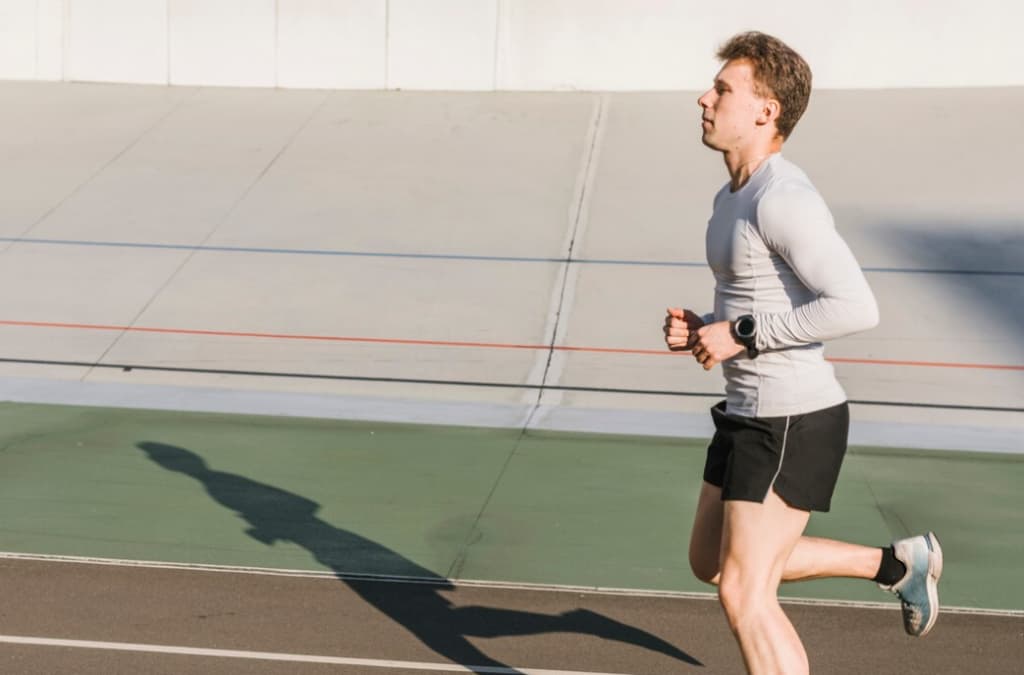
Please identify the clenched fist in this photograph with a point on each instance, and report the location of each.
(715, 343)
(681, 328)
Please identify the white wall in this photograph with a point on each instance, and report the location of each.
(117, 40)
(327, 43)
(502, 44)
(32, 39)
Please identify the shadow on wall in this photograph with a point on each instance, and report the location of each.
(982, 262)
(277, 515)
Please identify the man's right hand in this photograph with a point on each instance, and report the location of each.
(681, 328)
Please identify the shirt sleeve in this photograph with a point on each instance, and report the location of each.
(796, 223)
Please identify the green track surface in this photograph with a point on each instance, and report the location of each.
(485, 504)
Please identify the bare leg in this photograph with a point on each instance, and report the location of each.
(811, 558)
(816, 558)
(757, 540)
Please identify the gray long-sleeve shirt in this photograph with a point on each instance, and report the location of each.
(775, 253)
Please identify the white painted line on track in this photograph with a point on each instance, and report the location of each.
(280, 656)
(472, 583)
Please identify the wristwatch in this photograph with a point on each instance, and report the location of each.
(744, 329)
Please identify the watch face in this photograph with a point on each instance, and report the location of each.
(745, 327)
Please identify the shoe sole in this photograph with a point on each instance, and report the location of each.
(932, 583)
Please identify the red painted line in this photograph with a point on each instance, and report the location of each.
(325, 338)
(926, 364)
(478, 345)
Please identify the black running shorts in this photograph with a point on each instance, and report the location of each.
(798, 456)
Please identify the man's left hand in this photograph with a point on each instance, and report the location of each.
(715, 343)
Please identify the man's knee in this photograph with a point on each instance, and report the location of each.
(704, 566)
(744, 596)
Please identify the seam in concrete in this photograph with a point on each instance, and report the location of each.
(213, 230)
(106, 165)
(474, 534)
(548, 367)
(559, 310)
(550, 398)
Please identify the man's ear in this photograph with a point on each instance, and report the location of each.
(770, 111)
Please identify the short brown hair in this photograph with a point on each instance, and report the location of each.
(778, 71)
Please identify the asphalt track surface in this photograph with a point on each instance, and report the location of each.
(407, 628)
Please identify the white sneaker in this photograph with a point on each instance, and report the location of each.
(918, 589)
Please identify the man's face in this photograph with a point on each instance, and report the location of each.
(731, 109)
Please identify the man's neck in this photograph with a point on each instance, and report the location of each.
(744, 162)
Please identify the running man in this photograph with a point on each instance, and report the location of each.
(785, 282)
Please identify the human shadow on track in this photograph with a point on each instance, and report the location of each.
(275, 515)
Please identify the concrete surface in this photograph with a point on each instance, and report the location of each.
(432, 248)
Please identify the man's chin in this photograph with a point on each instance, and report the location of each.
(708, 142)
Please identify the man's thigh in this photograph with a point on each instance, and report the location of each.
(758, 538)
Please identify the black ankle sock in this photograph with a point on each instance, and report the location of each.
(891, 570)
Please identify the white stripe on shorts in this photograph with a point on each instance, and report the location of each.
(782, 456)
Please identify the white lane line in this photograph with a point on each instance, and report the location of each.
(472, 583)
(280, 656)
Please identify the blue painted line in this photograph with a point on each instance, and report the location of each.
(454, 256)
(353, 254)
